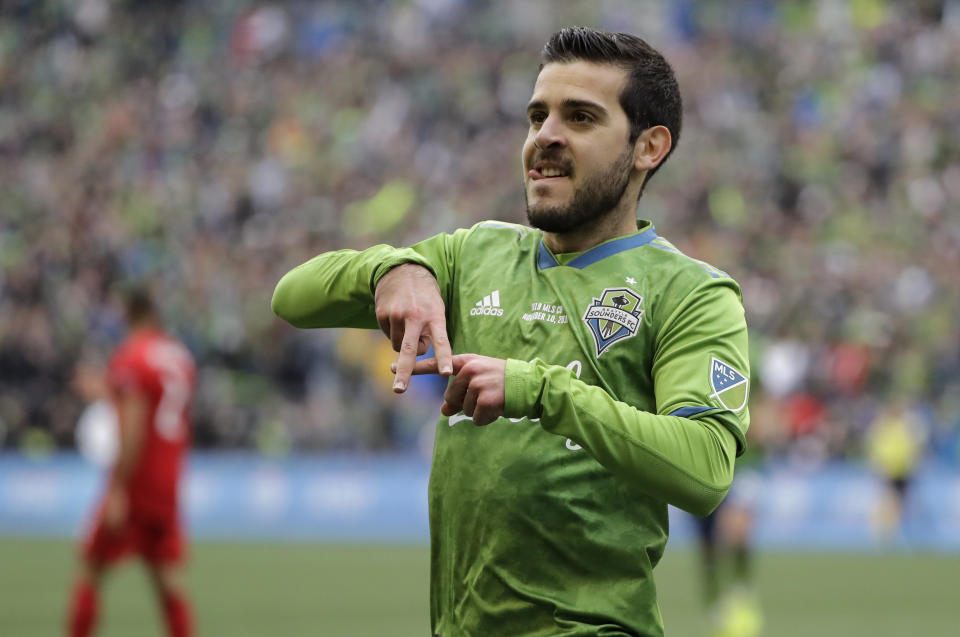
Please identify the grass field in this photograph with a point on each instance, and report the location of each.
(294, 590)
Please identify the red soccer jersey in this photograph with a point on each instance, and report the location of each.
(163, 372)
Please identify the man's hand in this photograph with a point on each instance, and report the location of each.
(411, 313)
(477, 390)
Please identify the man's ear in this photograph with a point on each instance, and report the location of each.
(651, 147)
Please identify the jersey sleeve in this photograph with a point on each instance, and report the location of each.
(335, 289)
(126, 374)
(684, 454)
(682, 462)
(701, 368)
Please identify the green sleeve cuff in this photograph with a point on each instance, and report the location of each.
(521, 389)
(400, 256)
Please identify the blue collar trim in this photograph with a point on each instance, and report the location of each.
(546, 260)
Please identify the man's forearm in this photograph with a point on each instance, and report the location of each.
(132, 415)
(686, 463)
(335, 289)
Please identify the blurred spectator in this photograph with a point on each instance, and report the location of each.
(212, 145)
(895, 444)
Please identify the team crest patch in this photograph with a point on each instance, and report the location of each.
(729, 385)
(613, 317)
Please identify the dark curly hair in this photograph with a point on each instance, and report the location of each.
(651, 96)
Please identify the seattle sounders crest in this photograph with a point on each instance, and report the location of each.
(613, 317)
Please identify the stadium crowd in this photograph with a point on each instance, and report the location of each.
(212, 145)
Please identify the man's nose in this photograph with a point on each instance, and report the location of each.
(550, 133)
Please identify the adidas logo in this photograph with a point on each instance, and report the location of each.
(489, 306)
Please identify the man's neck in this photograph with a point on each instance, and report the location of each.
(617, 224)
(144, 325)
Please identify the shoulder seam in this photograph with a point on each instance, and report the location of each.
(666, 246)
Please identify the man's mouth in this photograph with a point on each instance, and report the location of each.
(548, 171)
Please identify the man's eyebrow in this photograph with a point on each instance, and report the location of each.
(570, 104)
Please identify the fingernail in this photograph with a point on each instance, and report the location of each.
(399, 385)
(446, 369)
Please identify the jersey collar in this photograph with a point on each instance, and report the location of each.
(597, 253)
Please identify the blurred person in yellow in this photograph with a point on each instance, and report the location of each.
(895, 444)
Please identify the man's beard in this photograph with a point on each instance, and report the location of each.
(595, 199)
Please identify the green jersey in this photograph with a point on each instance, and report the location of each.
(626, 390)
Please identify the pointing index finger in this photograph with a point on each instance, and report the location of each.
(420, 367)
(431, 366)
(408, 355)
(441, 347)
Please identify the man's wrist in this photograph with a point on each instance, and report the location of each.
(404, 256)
(405, 265)
(119, 483)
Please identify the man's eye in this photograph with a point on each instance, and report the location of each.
(581, 117)
(536, 117)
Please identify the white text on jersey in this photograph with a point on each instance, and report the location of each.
(488, 306)
(547, 312)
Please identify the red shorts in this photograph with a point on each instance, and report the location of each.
(155, 538)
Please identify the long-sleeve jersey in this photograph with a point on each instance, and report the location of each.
(626, 389)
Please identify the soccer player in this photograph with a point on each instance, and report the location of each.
(596, 373)
(151, 382)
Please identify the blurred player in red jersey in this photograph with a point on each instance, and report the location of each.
(150, 379)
